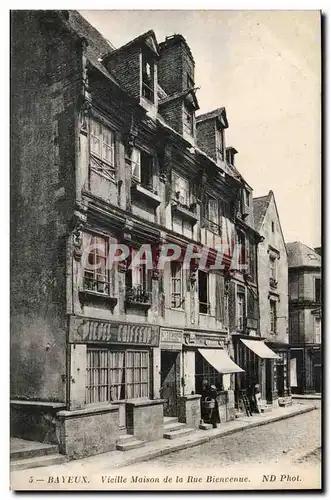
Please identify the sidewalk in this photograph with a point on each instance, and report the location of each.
(312, 397)
(117, 459)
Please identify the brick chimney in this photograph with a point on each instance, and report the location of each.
(176, 65)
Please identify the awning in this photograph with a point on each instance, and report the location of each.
(259, 347)
(220, 360)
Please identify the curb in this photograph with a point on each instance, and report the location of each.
(205, 439)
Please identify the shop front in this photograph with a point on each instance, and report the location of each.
(207, 364)
(113, 387)
(258, 361)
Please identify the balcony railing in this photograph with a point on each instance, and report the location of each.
(138, 295)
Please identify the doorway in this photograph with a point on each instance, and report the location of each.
(317, 378)
(170, 381)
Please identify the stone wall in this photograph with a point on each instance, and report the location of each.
(189, 410)
(87, 432)
(144, 419)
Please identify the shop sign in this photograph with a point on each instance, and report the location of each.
(172, 336)
(94, 330)
(196, 340)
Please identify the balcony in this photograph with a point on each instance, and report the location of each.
(96, 290)
(138, 296)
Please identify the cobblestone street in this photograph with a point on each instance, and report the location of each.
(276, 443)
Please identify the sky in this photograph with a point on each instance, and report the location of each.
(264, 68)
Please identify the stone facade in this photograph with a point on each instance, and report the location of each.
(273, 302)
(305, 317)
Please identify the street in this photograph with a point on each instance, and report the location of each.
(281, 442)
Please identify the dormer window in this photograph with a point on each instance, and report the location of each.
(220, 144)
(188, 120)
(148, 75)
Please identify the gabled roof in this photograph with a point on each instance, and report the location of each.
(216, 113)
(260, 205)
(300, 255)
(148, 38)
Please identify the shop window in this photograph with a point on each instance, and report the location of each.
(241, 309)
(102, 147)
(205, 371)
(96, 275)
(318, 290)
(116, 375)
(188, 121)
(273, 316)
(181, 189)
(203, 280)
(148, 76)
(177, 285)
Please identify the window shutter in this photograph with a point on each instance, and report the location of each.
(232, 307)
(219, 297)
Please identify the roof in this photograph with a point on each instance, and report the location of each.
(97, 45)
(300, 255)
(216, 113)
(138, 40)
(260, 206)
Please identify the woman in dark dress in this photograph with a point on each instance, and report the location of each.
(215, 413)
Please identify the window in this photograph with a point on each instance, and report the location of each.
(177, 285)
(273, 316)
(317, 330)
(272, 268)
(220, 144)
(96, 276)
(181, 189)
(137, 283)
(241, 250)
(212, 214)
(312, 256)
(318, 290)
(204, 306)
(142, 168)
(102, 147)
(205, 371)
(273, 227)
(230, 157)
(116, 375)
(148, 76)
(247, 197)
(241, 309)
(188, 121)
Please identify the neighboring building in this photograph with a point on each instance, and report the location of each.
(106, 148)
(305, 317)
(273, 297)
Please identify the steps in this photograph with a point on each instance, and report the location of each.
(174, 429)
(128, 442)
(32, 463)
(31, 454)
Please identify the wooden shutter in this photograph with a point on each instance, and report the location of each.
(219, 297)
(232, 307)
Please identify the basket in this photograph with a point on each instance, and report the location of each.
(209, 404)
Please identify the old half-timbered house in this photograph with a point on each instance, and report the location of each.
(108, 153)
